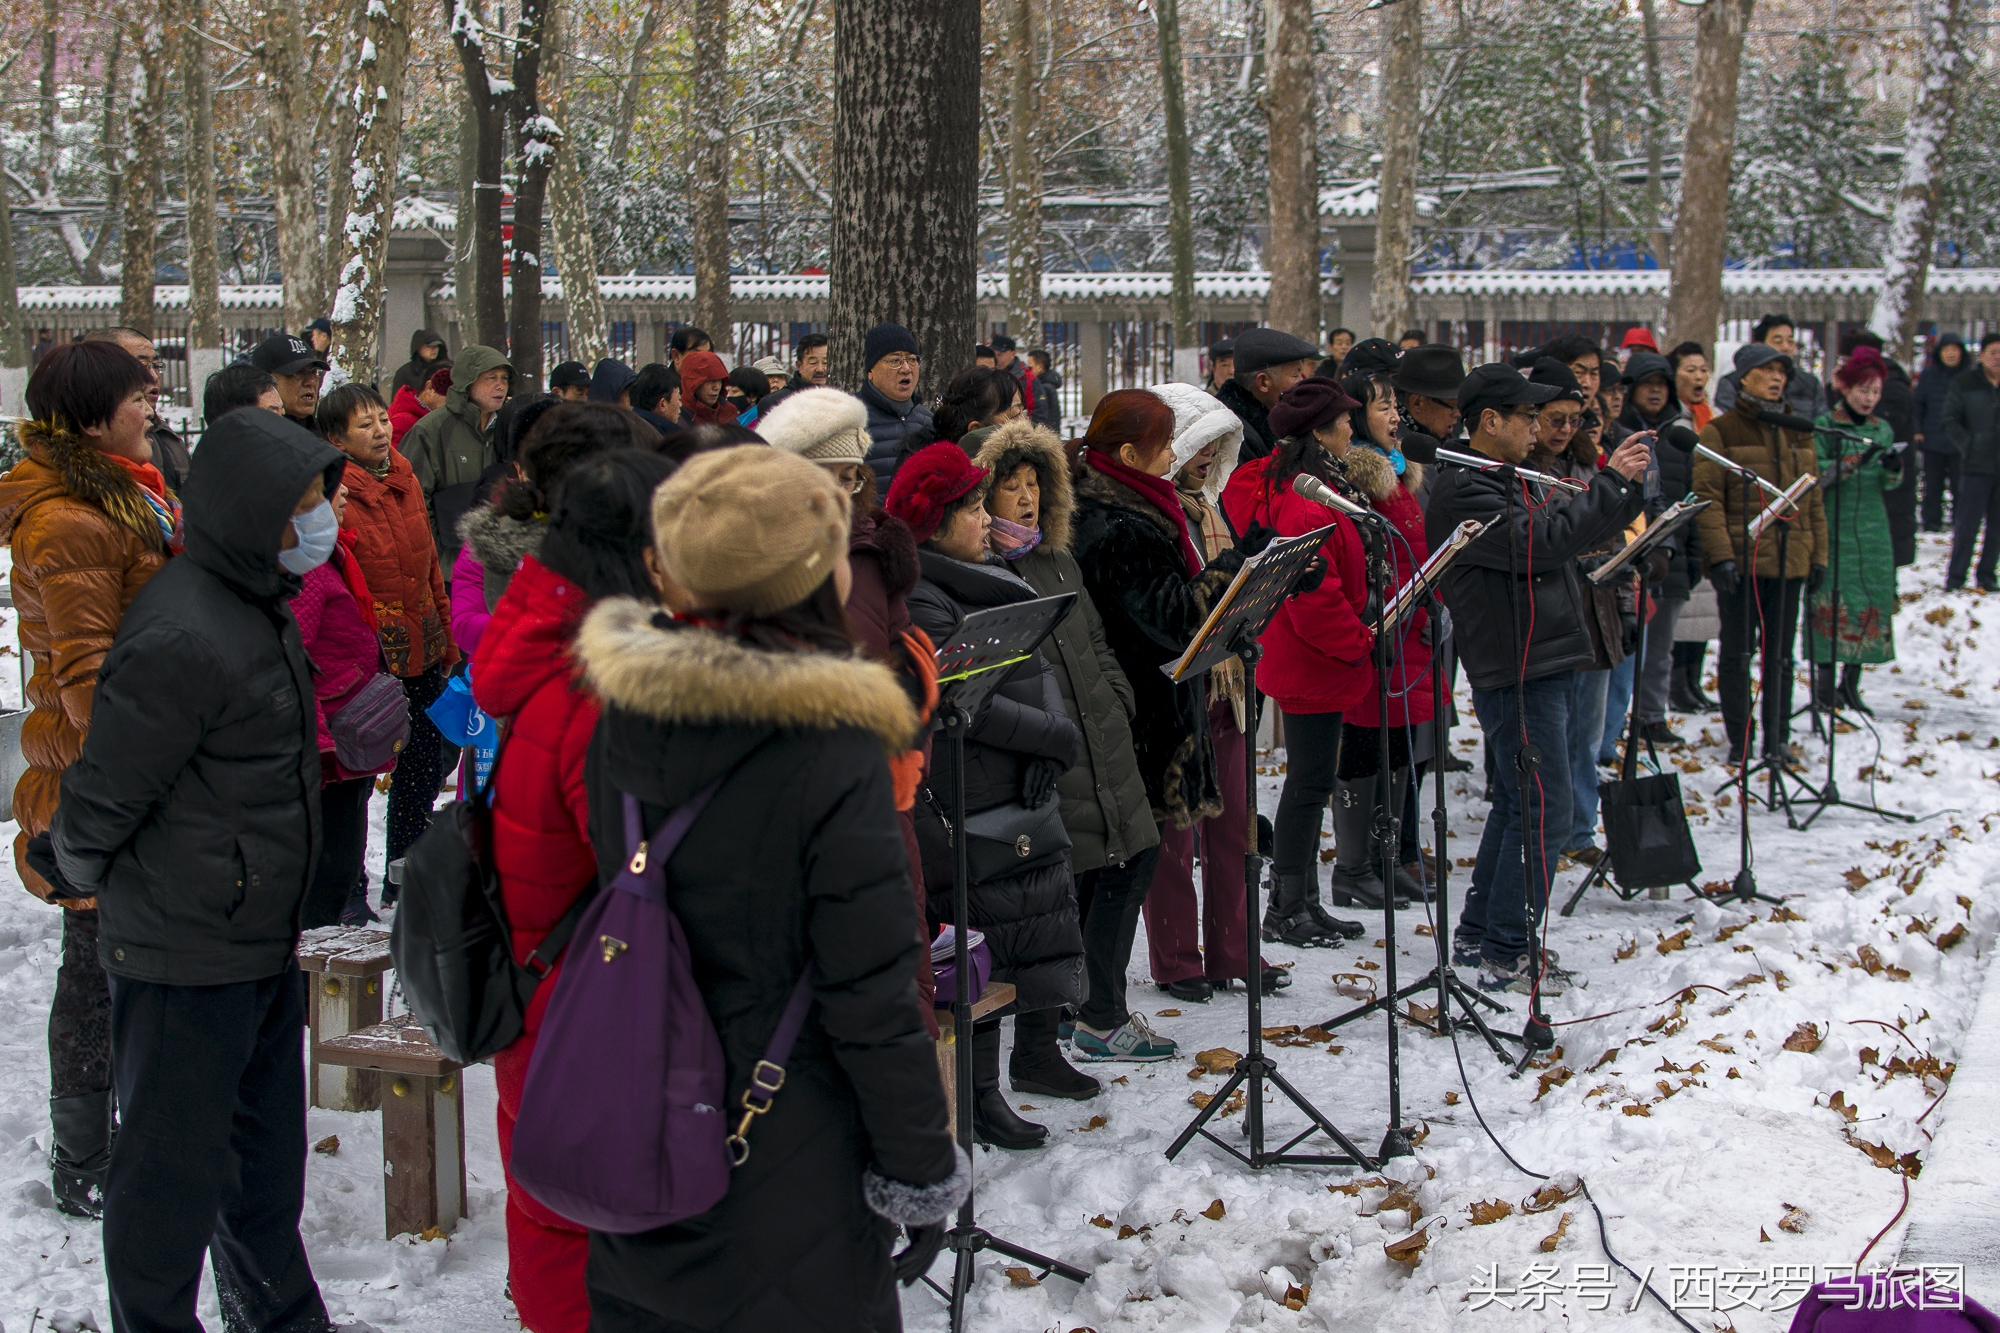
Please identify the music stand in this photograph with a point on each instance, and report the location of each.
(970, 668)
(1239, 617)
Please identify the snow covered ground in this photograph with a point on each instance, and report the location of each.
(1728, 1161)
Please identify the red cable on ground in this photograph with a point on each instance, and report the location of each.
(1892, 1225)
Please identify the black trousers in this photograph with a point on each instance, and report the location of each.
(1312, 758)
(1942, 473)
(343, 812)
(80, 1018)
(1976, 503)
(210, 1155)
(419, 775)
(1774, 620)
(1108, 901)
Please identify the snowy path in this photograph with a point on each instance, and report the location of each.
(1705, 1141)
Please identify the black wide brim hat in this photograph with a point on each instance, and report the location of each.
(1433, 370)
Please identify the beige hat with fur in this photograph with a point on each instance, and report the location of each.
(752, 530)
(824, 425)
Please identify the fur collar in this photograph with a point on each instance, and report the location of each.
(638, 659)
(1376, 476)
(1025, 441)
(499, 541)
(80, 471)
(1116, 494)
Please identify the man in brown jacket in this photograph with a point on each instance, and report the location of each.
(89, 520)
(1789, 558)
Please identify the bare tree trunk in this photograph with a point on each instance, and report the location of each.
(569, 209)
(711, 173)
(1656, 236)
(906, 179)
(485, 122)
(1180, 175)
(198, 172)
(635, 74)
(13, 338)
(290, 118)
(140, 230)
(340, 200)
(1392, 306)
(1701, 230)
(536, 136)
(1024, 179)
(1906, 260)
(1291, 245)
(463, 267)
(377, 99)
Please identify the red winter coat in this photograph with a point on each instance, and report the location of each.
(399, 559)
(405, 411)
(1316, 649)
(1395, 499)
(336, 621)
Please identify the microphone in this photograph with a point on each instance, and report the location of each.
(1680, 437)
(1312, 488)
(1785, 420)
(1420, 448)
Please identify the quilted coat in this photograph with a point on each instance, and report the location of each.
(400, 563)
(1395, 498)
(335, 615)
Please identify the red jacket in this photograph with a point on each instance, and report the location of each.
(399, 559)
(405, 411)
(1316, 649)
(335, 620)
(1394, 498)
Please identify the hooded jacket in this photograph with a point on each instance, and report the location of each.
(1047, 410)
(449, 448)
(412, 373)
(84, 542)
(400, 565)
(1105, 809)
(1199, 422)
(609, 381)
(405, 411)
(895, 431)
(1932, 386)
(697, 369)
(193, 811)
(797, 862)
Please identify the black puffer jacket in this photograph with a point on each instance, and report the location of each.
(1898, 407)
(895, 431)
(1684, 567)
(798, 861)
(193, 811)
(1479, 587)
(1258, 437)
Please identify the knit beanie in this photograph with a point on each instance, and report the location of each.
(824, 425)
(883, 339)
(1311, 403)
(755, 530)
(928, 483)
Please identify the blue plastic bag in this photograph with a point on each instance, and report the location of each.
(466, 725)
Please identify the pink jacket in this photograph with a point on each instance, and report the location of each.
(468, 601)
(345, 650)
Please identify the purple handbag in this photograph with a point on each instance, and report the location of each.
(621, 1127)
(371, 728)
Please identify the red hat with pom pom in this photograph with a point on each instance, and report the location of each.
(928, 483)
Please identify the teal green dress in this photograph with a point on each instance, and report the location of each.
(1852, 616)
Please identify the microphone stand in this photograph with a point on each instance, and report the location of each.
(1744, 888)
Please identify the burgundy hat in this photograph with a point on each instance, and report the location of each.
(1309, 404)
(928, 483)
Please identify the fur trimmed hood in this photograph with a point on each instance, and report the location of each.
(1375, 476)
(498, 541)
(1025, 441)
(639, 659)
(63, 463)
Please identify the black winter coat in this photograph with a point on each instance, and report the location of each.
(1258, 437)
(1048, 399)
(895, 431)
(1932, 386)
(1899, 408)
(193, 812)
(1684, 567)
(798, 861)
(1479, 587)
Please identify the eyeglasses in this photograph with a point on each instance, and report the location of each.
(1525, 413)
(899, 361)
(1563, 421)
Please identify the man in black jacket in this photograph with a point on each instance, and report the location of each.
(1267, 362)
(192, 816)
(1517, 614)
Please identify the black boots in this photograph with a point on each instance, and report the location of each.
(1296, 918)
(1356, 881)
(1826, 694)
(1037, 1064)
(81, 1152)
(1850, 688)
(993, 1120)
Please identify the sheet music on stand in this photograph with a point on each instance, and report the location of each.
(1418, 589)
(1776, 509)
(969, 667)
(1251, 598)
(1675, 517)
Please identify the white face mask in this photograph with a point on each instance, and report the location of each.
(318, 532)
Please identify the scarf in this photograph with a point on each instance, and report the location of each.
(378, 470)
(1010, 540)
(1157, 491)
(153, 490)
(1395, 456)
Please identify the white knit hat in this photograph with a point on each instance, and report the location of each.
(823, 425)
(1198, 421)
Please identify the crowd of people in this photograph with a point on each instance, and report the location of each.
(692, 587)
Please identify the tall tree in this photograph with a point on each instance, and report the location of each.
(635, 75)
(1656, 235)
(290, 119)
(1180, 186)
(1024, 177)
(1392, 306)
(710, 172)
(569, 205)
(464, 267)
(204, 341)
(13, 338)
(139, 231)
(1291, 247)
(485, 126)
(376, 98)
(906, 179)
(1906, 260)
(1701, 228)
(85, 253)
(536, 134)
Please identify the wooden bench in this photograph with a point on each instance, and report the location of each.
(997, 996)
(423, 1122)
(343, 995)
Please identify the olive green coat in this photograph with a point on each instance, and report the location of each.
(1852, 616)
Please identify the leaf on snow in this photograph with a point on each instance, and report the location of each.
(1627, 950)
(1491, 1211)
(1555, 1078)
(1671, 943)
(1215, 1211)
(1021, 1277)
(1794, 1220)
(1408, 1249)
(1554, 1238)
(328, 1145)
(1806, 1038)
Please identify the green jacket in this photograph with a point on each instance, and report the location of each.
(1852, 616)
(1972, 419)
(449, 449)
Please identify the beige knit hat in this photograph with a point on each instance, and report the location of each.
(753, 529)
(825, 425)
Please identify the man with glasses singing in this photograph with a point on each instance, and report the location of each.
(898, 425)
(1516, 610)
(170, 452)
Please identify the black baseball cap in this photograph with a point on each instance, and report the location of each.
(1500, 386)
(1000, 342)
(1558, 376)
(286, 354)
(570, 375)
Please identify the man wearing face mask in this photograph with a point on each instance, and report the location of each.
(192, 816)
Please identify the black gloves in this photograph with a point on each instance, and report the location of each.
(1815, 578)
(1658, 562)
(1437, 626)
(42, 860)
(1892, 463)
(1314, 575)
(916, 1259)
(1038, 782)
(1255, 538)
(1723, 576)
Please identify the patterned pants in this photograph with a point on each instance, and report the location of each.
(80, 1018)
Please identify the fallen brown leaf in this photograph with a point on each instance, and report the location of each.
(1423, 1013)
(1720, 1047)
(1838, 1102)
(1627, 950)
(1636, 1108)
(1555, 1078)
(1785, 913)
(1554, 1238)
(1871, 958)
(1096, 1122)
(1857, 878)
(1549, 1195)
(1167, 1013)
(1451, 1099)
(1491, 1211)
(1727, 931)
(1603, 1060)
(433, 1233)
(328, 1145)
(1952, 938)
(1763, 1236)
(1215, 1211)
(1101, 1221)
(1677, 940)
(1214, 1060)
(1408, 1249)
(1272, 1034)
(1021, 1277)
(1806, 1037)
(1794, 1220)
(1297, 1296)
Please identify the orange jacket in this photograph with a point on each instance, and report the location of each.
(399, 560)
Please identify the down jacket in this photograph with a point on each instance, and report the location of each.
(405, 411)
(84, 542)
(400, 564)
(1374, 481)
(1781, 457)
(336, 624)
(796, 863)
(1104, 803)
(450, 448)
(193, 812)
(895, 431)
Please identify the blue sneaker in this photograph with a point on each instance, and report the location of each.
(1065, 1029)
(1133, 1041)
(1465, 950)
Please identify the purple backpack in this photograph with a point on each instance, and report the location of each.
(621, 1127)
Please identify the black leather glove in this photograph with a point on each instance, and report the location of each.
(1255, 538)
(1314, 575)
(1437, 625)
(1892, 463)
(1723, 576)
(1815, 578)
(1038, 782)
(1658, 562)
(916, 1259)
(42, 860)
